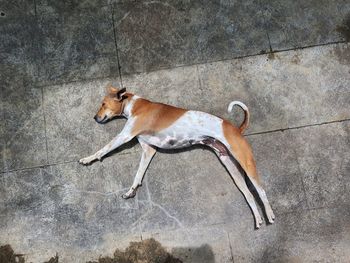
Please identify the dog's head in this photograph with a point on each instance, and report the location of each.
(112, 105)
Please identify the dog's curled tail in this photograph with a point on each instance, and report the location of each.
(244, 107)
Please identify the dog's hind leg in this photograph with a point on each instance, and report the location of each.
(224, 156)
(147, 155)
(242, 152)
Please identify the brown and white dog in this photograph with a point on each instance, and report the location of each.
(158, 125)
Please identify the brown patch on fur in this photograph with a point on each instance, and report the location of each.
(152, 117)
(146, 251)
(241, 149)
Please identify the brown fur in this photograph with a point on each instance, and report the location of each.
(152, 117)
(241, 150)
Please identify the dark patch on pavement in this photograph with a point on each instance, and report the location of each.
(272, 56)
(146, 251)
(344, 29)
(7, 255)
(343, 54)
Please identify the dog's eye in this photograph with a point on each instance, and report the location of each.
(103, 104)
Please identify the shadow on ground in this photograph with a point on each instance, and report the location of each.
(146, 251)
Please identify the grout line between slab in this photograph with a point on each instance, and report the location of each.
(116, 47)
(297, 127)
(45, 126)
(189, 65)
(132, 152)
(230, 245)
(239, 57)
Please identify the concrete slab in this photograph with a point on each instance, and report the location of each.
(153, 35)
(188, 189)
(178, 86)
(70, 5)
(19, 48)
(306, 236)
(292, 24)
(324, 162)
(24, 141)
(76, 44)
(69, 209)
(72, 133)
(290, 89)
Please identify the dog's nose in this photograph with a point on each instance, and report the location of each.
(95, 117)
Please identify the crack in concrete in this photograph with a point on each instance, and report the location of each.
(132, 152)
(154, 204)
(297, 127)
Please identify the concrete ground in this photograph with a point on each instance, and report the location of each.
(289, 61)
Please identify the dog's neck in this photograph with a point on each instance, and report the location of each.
(129, 103)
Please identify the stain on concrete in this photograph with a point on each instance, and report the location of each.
(7, 255)
(146, 251)
(344, 28)
(342, 53)
(272, 56)
(296, 59)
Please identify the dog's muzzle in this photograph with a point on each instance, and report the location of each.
(99, 120)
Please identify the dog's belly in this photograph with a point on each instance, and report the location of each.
(192, 128)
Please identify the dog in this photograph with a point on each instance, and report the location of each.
(158, 125)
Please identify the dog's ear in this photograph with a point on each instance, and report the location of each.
(112, 91)
(120, 94)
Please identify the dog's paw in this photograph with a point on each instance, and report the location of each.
(258, 222)
(271, 217)
(129, 194)
(87, 160)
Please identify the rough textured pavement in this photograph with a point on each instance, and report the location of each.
(289, 61)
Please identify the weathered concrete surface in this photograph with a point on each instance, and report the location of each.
(294, 88)
(292, 24)
(158, 34)
(299, 102)
(188, 201)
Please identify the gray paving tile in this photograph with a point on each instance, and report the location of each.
(294, 88)
(294, 24)
(308, 236)
(20, 45)
(16, 8)
(187, 189)
(177, 86)
(72, 133)
(324, 160)
(157, 34)
(77, 45)
(66, 208)
(23, 127)
(192, 188)
(45, 6)
(277, 164)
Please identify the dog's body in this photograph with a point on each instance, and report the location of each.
(167, 127)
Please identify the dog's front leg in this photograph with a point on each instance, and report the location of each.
(147, 155)
(114, 144)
